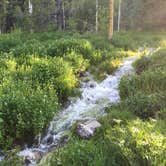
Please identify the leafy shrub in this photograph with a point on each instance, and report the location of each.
(109, 66)
(144, 94)
(78, 63)
(144, 105)
(25, 112)
(12, 159)
(65, 46)
(54, 47)
(100, 42)
(141, 64)
(55, 72)
(158, 60)
(148, 82)
(30, 47)
(124, 40)
(45, 72)
(9, 41)
(92, 153)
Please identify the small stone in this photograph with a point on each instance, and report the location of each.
(92, 84)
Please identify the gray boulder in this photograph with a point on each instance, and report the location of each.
(87, 129)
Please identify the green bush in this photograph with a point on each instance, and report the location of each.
(25, 82)
(144, 94)
(9, 41)
(88, 153)
(124, 40)
(30, 47)
(12, 159)
(148, 82)
(141, 64)
(45, 72)
(144, 105)
(25, 112)
(55, 72)
(64, 46)
(54, 47)
(157, 61)
(77, 62)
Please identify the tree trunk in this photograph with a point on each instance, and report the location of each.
(119, 15)
(97, 15)
(30, 7)
(111, 19)
(59, 15)
(64, 17)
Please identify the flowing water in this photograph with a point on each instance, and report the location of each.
(95, 97)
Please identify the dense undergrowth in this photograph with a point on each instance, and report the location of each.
(39, 71)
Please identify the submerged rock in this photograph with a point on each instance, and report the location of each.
(49, 139)
(33, 157)
(87, 129)
(92, 84)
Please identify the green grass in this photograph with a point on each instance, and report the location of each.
(123, 139)
(145, 93)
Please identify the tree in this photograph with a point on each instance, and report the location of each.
(111, 19)
(30, 7)
(97, 15)
(119, 15)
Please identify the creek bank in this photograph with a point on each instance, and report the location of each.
(91, 105)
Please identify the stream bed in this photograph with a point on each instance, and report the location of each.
(95, 97)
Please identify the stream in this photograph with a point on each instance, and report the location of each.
(95, 97)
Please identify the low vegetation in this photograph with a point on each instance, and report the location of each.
(39, 72)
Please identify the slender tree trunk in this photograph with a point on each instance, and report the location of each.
(111, 19)
(30, 7)
(119, 15)
(97, 16)
(59, 15)
(64, 17)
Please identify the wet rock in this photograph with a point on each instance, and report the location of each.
(87, 129)
(38, 156)
(83, 74)
(92, 84)
(34, 157)
(27, 161)
(1, 153)
(50, 139)
(37, 140)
